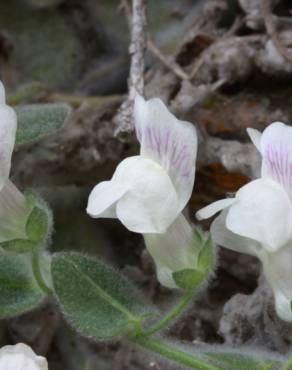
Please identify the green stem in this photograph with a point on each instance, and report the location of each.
(179, 307)
(172, 353)
(35, 261)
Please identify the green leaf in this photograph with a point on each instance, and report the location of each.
(243, 361)
(38, 227)
(19, 291)
(37, 121)
(97, 300)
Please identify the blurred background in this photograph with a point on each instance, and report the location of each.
(223, 65)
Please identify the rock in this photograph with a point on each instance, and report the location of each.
(271, 61)
(251, 320)
(252, 9)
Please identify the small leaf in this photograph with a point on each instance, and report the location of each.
(97, 300)
(39, 120)
(19, 291)
(38, 227)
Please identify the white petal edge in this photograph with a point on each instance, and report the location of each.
(172, 251)
(20, 356)
(276, 151)
(263, 212)
(255, 137)
(103, 197)
(2, 94)
(14, 213)
(283, 306)
(214, 208)
(277, 270)
(168, 141)
(226, 238)
(151, 203)
(8, 125)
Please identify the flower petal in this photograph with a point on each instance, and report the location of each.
(276, 149)
(21, 356)
(14, 213)
(168, 141)
(277, 270)
(8, 123)
(214, 207)
(255, 137)
(283, 306)
(172, 251)
(226, 238)
(102, 199)
(2, 94)
(263, 213)
(151, 204)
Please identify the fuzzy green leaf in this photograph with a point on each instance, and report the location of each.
(97, 300)
(18, 290)
(39, 120)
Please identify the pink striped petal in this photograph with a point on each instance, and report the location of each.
(276, 149)
(168, 141)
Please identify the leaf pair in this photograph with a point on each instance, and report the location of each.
(100, 304)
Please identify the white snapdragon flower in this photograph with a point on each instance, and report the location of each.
(14, 210)
(21, 357)
(148, 192)
(258, 221)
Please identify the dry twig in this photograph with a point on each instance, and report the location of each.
(137, 47)
(271, 29)
(168, 62)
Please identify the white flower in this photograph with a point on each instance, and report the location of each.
(258, 221)
(13, 206)
(21, 357)
(148, 192)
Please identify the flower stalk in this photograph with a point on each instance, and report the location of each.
(37, 271)
(171, 315)
(172, 353)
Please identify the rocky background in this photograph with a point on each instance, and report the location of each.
(224, 65)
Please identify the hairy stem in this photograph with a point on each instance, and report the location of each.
(172, 353)
(35, 262)
(180, 306)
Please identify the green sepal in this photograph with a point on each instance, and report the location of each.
(38, 227)
(96, 300)
(19, 291)
(206, 256)
(37, 121)
(188, 278)
(192, 278)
